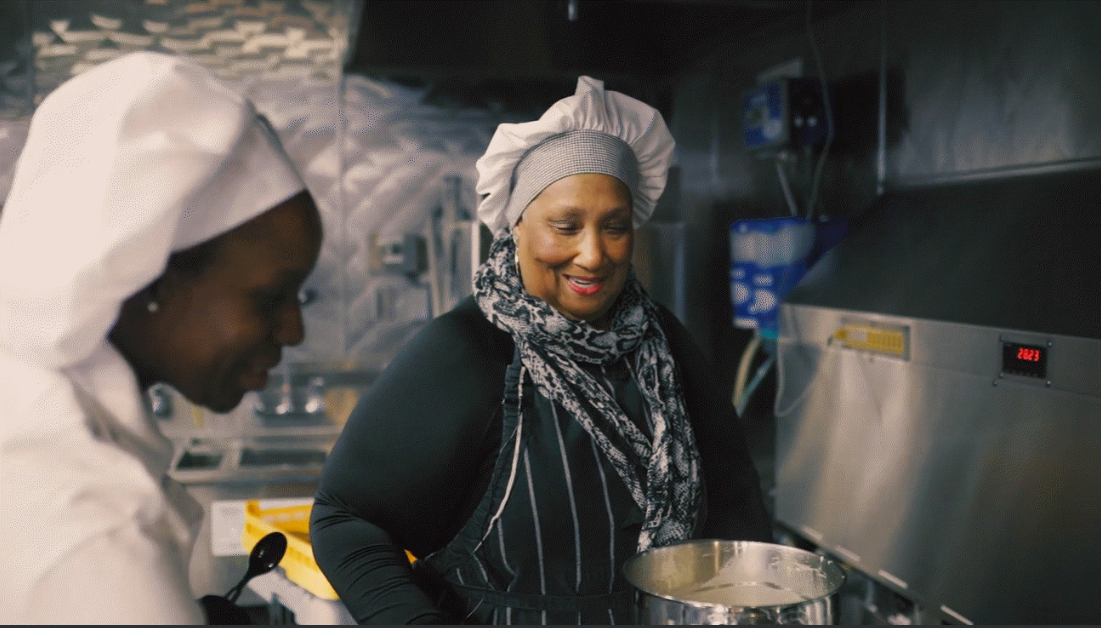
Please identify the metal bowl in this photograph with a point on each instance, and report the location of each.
(733, 582)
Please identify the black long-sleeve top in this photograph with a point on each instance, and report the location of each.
(416, 456)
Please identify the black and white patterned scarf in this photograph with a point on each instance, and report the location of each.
(663, 476)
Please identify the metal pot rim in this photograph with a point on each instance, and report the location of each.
(826, 563)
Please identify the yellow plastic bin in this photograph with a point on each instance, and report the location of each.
(298, 563)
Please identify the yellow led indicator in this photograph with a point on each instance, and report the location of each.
(877, 339)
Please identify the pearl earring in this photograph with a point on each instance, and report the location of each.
(152, 307)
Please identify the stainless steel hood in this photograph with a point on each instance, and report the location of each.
(939, 402)
(1020, 251)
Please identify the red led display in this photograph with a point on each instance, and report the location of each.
(1025, 353)
(1027, 360)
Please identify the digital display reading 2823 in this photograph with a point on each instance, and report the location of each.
(1027, 360)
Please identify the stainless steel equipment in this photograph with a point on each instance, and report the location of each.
(939, 403)
(733, 582)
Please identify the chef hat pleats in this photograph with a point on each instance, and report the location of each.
(124, 164)
(584, 133)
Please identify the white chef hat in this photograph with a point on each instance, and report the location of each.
(593, 131)
(124, 164)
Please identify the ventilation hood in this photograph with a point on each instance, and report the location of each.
(1013, 252)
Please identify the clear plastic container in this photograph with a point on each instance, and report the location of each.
(768, 258)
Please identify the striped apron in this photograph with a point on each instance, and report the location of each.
(552, 554)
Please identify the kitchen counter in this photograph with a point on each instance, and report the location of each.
(253, 457)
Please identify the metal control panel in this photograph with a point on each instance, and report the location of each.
(784, 113)
(1025, 359)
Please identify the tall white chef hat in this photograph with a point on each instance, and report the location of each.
(593, 131)
(124, 164)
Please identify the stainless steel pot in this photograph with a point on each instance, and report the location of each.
(733, 582)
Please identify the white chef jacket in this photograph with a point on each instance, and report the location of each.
(124, 164)
(93, 530)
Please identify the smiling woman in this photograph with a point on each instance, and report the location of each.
(574, 244)
(155, 232)
(562, 420)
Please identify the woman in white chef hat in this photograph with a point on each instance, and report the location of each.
(155, 232)
(532, 439)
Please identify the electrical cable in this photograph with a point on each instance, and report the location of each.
(792, 205)
(881, 149)
(743, 368)
(813, 200)
(754, 383)
(777, 410)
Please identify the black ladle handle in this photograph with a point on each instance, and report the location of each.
(265, 555)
